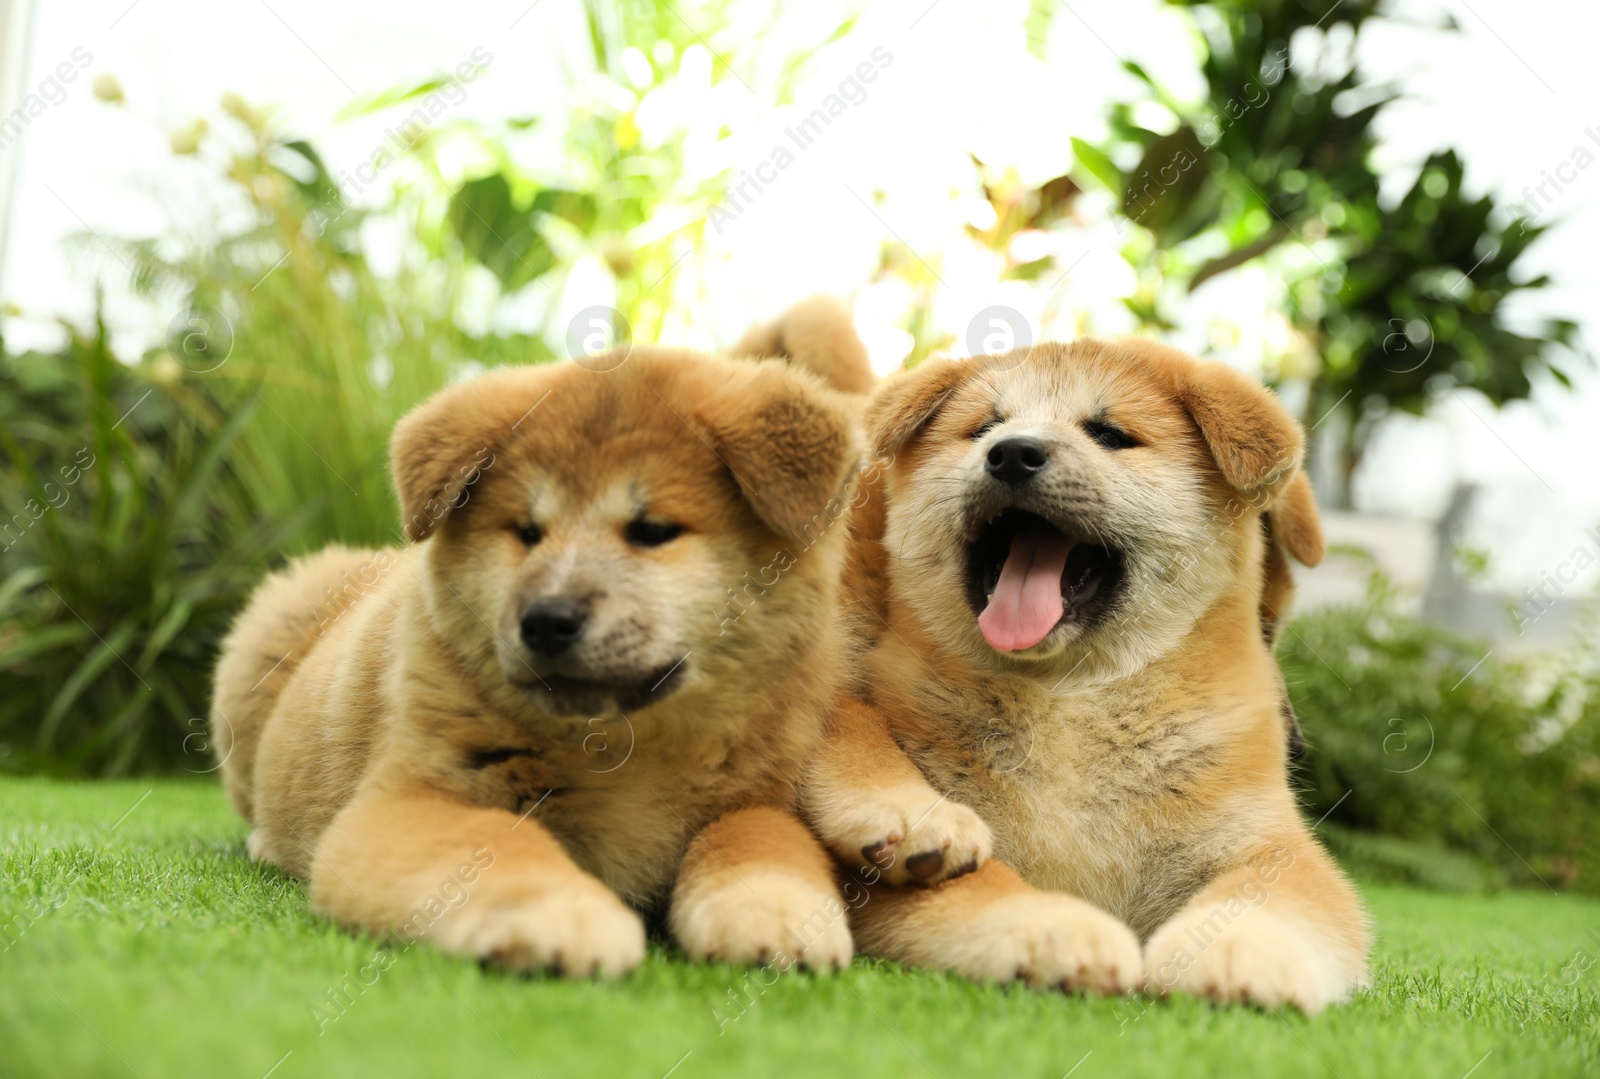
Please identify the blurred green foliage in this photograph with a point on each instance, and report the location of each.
(1438, 762)
(1395, 300)
(132, 539)
(259, 430)
(287, 316)
(620, 195)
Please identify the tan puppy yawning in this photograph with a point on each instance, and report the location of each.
(1067, 583)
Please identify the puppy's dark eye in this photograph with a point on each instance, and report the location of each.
(1112, 438)
(984, 429)
(529, 534)
(643, 533)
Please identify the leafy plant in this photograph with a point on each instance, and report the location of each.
(132, 542)
(1394, 301)
(627, 196)
(260, 430)
(1437, 762)
(286, 317)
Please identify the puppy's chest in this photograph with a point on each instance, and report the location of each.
(622, 805)
(1078, 793)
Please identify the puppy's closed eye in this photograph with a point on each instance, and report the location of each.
(1109, 435)
(642, 532)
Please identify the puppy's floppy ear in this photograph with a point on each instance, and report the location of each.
(909, 401)
(1277, 586)
(1295, 521)
(789, 442)
(1292, 528)
(441, 447)
(1254, 440)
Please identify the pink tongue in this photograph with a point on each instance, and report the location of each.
(1027, 601)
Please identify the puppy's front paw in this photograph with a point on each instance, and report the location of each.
(909, 834)
(581, 931)
(1047, 940)
(761, 918)
(1254, 956)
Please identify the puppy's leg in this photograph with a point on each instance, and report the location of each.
(1284, 927)
(754, 887)
(469, 880)
(873, 808)
(993, 926)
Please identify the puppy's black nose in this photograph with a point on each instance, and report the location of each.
(1015, 460)
(551, 625)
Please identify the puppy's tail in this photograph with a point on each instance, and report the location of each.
(819, 335)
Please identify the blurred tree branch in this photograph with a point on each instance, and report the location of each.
(1398, 301)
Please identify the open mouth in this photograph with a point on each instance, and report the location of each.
(1025, 577)
(562, 694)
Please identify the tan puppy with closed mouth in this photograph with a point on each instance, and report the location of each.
(1063, 575)
(587, 689)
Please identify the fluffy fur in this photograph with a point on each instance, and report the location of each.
(393, 739)
(1134, 760)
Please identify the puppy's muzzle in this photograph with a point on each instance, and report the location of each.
(551, 626)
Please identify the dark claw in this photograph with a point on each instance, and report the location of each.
(926, 865)
(878, 854)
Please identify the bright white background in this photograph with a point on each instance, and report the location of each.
(1514, 92)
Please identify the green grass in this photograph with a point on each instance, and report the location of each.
(169, 954)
